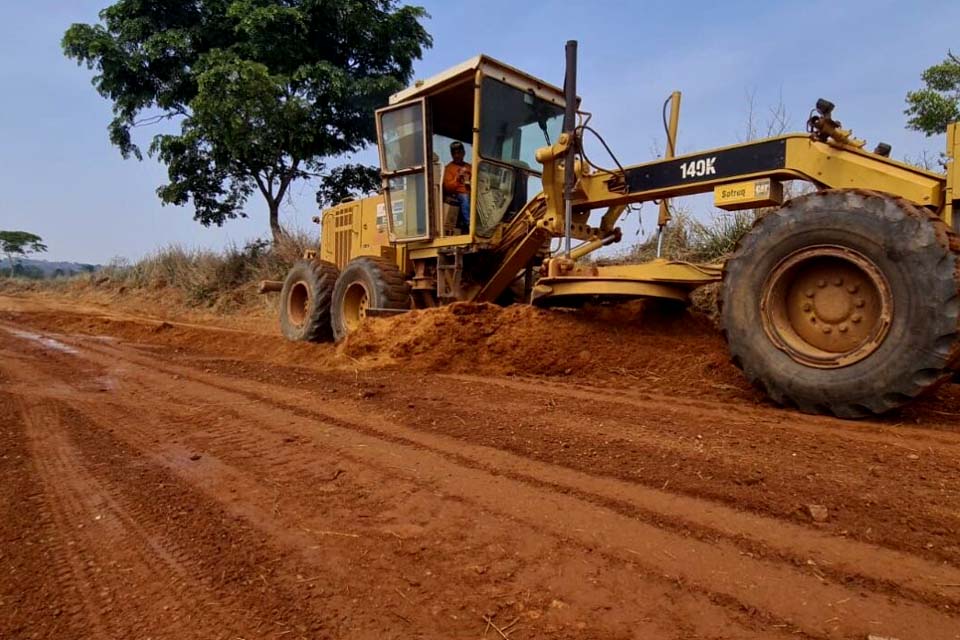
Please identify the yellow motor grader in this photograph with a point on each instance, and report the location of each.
(843, 300)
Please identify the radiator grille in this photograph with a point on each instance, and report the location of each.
(343, 236)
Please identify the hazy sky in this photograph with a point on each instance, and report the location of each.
(61, 179)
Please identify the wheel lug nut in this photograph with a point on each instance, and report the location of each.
(842, 328)
(807, 306)
(837, 281)
(827, 329)
(853, 288)
(859, 302)
(821, 283)
(856, 317)
(808, 293)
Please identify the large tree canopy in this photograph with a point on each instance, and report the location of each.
(936, 105)
(265, 92)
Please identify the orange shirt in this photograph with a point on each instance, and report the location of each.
(456, 178)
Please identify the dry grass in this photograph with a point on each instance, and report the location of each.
(221, 282)
(691, 240)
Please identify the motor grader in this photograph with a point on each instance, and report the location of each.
(842, 301)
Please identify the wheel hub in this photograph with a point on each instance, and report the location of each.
(298, 303)
(356, 301)
(826, 306)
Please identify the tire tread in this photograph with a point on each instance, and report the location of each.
(929, 369)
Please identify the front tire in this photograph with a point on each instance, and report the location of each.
(844, 302)
(366, 282)
(305, 301)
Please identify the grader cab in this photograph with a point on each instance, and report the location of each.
(844, 300)
(501, 117)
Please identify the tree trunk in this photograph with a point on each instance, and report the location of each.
(275, 228)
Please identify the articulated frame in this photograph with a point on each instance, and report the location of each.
(830, 164)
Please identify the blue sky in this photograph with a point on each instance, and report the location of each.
(61, 179)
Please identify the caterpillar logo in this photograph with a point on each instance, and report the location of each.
(699, 168)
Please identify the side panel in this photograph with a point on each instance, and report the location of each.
(352, 229)
(761, 157)
(791, 157)
(374, 238)
(839, 168)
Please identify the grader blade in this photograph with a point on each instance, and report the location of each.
(668, 279)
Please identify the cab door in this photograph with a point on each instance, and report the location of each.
(404, 167)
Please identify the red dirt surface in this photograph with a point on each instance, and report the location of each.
(470, 472)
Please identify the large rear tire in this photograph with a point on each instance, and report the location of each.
(366, 282)
(305, 301)
(844, 302)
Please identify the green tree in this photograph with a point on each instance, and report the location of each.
(936, 105)
(265, 92)
(347, 181)
(19, 243)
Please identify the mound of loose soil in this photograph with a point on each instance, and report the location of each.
(632, 344)
(668, 347)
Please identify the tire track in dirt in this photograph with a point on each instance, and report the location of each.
(884, 493)
(32, 603)
(911, 521)
(229, 580)
(819, 552)
(708, 400)
(839, 558)
(493, 435)
(126, 566)
(907, 438)
(810, 586)
(879, 494)
(130, 573)
(675, 602)
(76, 504)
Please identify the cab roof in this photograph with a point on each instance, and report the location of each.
(466, 71)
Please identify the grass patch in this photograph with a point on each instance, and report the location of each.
(206, 279)
(690, 240)
(220, 282)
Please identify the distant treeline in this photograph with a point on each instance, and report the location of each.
(43, 270)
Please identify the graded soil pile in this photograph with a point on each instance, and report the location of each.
(633, 344)
(665, 347)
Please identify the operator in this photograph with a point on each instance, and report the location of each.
(456, 182)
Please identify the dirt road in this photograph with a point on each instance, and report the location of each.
(168, 481)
